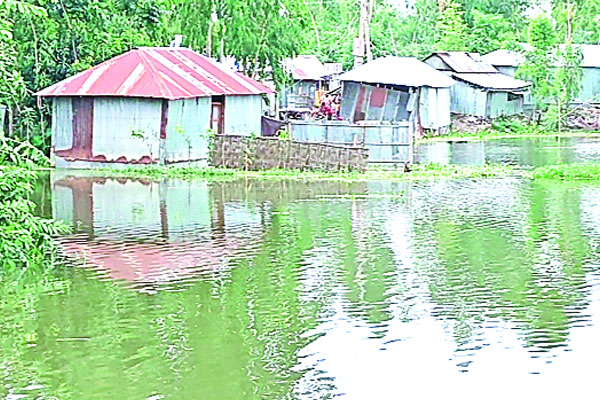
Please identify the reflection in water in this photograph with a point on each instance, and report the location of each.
(524, 151)
(285, 290)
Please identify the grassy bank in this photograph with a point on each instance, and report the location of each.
(568, 172)
(419, 172)
(493, 135)
(503, 128)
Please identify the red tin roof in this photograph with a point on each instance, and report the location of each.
(164, 73)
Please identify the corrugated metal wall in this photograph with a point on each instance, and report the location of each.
(242, 115)
(62, 123)
(434, 107)
(117, 118)
(465, 99)
(188, 122)
(590, 89)
(386, 143)
(498, 104)
(358, 104)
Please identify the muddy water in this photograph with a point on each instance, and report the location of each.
(296, 290)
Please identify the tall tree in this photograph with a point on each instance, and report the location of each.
(451, 29)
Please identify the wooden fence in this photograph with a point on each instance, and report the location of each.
(260, 153)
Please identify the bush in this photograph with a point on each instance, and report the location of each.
(25, 240)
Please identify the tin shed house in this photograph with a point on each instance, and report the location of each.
(390, 89)
(507, 62)
(309, 75)
(481, 90)
(149, 105)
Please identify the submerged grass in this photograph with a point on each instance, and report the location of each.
(568, 172)
(419, 172)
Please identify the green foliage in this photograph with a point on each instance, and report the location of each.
(491, 32)
(538, 63)
(568, 172)
(566, 83)
(25, 240)
(451, 29)
(419, 172)
(582, 15)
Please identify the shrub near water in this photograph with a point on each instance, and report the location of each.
(25, 240)
(568, 172)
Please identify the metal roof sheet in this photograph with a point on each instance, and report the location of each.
(166, 73)
(463, 62)
(306, 67)
(401, 71)
(510, 58)
(503, 58)
(495, 81)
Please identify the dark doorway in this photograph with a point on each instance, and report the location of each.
(217, 117)
(83, 127)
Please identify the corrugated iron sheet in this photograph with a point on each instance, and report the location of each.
(495, 81)
(463, 62)
(165, 73)
(306, 67)
(400, 71)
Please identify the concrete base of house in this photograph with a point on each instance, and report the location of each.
(61, 163)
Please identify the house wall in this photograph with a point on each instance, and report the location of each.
(434, 107)
(358, 103)
(590, 85)
(188, 122)
(465, 99)
(242, 115)
(62, 124)
(498, 104)
(115, 121)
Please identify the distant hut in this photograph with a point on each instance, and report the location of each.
(507, 62)
(309, 76)
(149, 105)
(482, 90)
(391, 89)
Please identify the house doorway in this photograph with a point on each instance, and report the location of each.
(217, 117)
(83, 126)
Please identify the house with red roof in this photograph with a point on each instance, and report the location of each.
(150, 106)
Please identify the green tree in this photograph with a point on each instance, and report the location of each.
(491, 32)
(539, 60)
(451, 29)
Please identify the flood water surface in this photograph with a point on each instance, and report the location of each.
(527, 152)
(299, 290)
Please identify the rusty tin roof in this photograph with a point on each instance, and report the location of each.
(157, 72)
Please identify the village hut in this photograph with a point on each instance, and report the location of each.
(508, 61)
(481, 89)
(392, 89)
(149, 105)
(309, 76)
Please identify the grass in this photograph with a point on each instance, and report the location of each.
(494, 134)
(568, 172)
(419, 172)
(509, 127)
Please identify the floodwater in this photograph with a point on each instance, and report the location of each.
(309, 290)
(533, 152)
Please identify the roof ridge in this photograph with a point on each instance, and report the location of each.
(143, 54)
